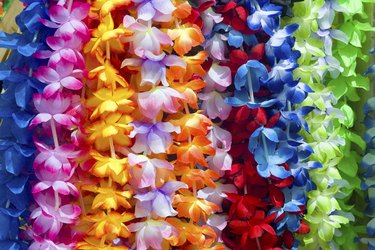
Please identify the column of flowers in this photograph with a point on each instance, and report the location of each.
(271, 160)
(58, 107)
(16, 112)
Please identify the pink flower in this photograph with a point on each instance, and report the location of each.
(145, 38)
(159, 98)
(214, 106)
(217, 194)
(216, 47)
(154, 67)
(217, 78)
(150, 233)
(56, 159)
(48, 218)
(144, 176)
(220, 162)
(62, 59)
(44, 244)
(62, 187)
(152, 137)
(56, 81)
(220, 138)
(69, 25)
(53, 108)
(210, 18)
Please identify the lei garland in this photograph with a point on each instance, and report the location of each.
(325, 67)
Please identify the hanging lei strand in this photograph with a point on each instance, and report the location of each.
(270, 123)
(59, 108)
(106, 194)
(323, 64)
(16, 152)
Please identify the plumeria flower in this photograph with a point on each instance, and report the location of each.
(69, 24)
(185, 38)
(158, 201)
(150, 233)
(145, 175)
(155, 10)
(281, 74)
(145, 37)
(41, 243)
(193, 124)
(48, 218)
(214, 104)
(220, 161)
(107, 75)
(152, 137)
(281, 43)
(61, 187)
(56, 159)
(215, 46)
(328, 35)
(217, 78)
(154, 67)
(158, 99)
(57, 81)
(209, 19)
(53, 108)
(265, 17)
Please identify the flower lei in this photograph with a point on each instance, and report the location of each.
(59, 110)
(324, 67)
(265, 118)
(16, 149)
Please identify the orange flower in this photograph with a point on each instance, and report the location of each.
(194, 124)
(110, 223)
(92, 243)
(109, 197)
(183, 9)
(192, 207)
(193, 152)
(189, 90)
(110, 167)
(107, 76)
(194, 64)
(185, 38)
(115, 125)
(200, 177)
(199, 236)
(106, 100)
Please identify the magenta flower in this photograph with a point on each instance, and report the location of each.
(152, 137)
(214, 106)
(154, 67)
(55, 159)
(57, 81)
(145, 37)
(144, 176)
(156, 10)
(53, 108)
(48, 218)
(217, 78)
(61, 187)
(157, 99)
(158, 201)
(150, 233)
(43, 244)
(68, 24)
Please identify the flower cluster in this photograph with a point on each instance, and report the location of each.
(58, 117)
(270, 168)
(16, 148)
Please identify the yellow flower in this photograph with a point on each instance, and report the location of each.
(114, 125)
(109, 167)
(106, 100)
(107, 75)
(109, 197)
(192, 207)
(92, 243)
(111, 223)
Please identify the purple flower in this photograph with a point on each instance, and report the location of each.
(154, 67)
(158, 201)
(152, 137)
(217, 78)
(214, 105)
(155, 10)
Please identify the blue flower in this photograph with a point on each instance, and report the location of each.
(266, 17)
(281, 43)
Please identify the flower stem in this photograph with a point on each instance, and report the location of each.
(258, 243)
(70, 3)
(288, 125)
(250, 84)
(265, 146)
(107, 50)
(112, 148)
(7, 205)
(54, 133)
(81, 202)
